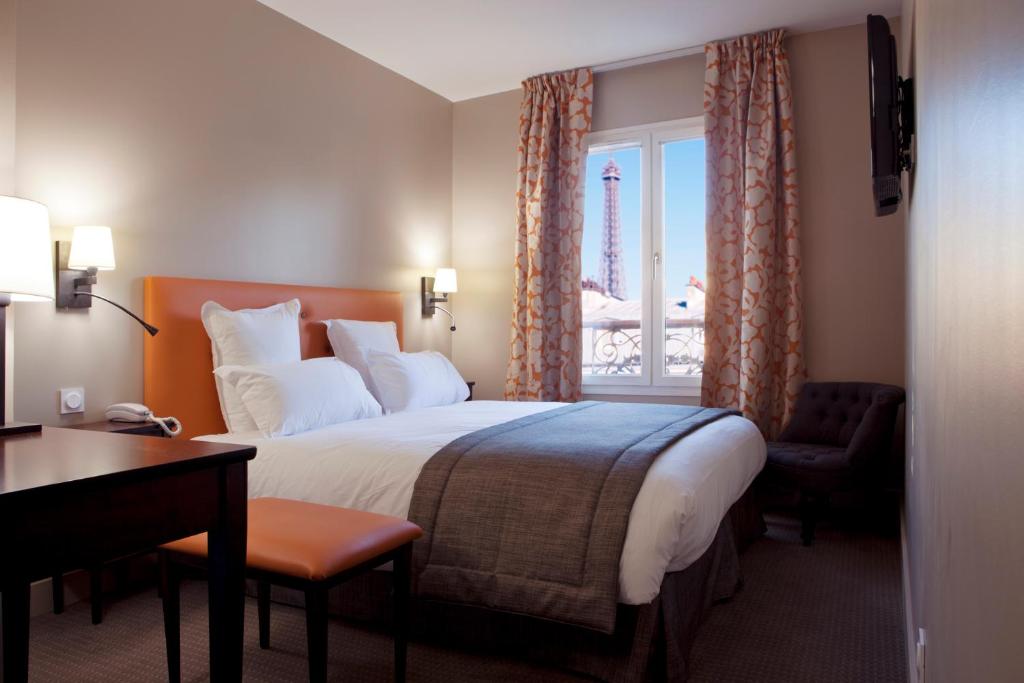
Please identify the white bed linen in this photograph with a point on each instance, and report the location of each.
(373, 465)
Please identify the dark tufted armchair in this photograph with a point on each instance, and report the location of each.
(838, 437)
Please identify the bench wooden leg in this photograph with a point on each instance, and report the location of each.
(316, 633)
(170, 586)
(58, 592)
(263, 603)
(401, 577)
(96, 594)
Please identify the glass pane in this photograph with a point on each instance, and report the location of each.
(685, 257)
(612, 263)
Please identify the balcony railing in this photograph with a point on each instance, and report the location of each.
(613, 347)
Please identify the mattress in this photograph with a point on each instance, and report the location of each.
(373, 465)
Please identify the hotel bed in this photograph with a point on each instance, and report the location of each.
(373, 465)
(691, 515)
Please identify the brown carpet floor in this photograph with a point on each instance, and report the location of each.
(829, 613)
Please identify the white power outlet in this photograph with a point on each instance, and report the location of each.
(72, 400)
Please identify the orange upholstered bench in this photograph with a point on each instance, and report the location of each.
(305, 546)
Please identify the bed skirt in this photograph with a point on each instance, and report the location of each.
(650, 643)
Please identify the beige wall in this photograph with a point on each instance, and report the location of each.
(218, 139)
(853, 263)
(7, 79)
(854, 269)
(966, 323)
(649, 93)
(486, 132)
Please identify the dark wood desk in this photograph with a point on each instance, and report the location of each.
(110, 427)
(73, 498)
(96, 573)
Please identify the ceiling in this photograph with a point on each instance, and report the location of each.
(467, 48)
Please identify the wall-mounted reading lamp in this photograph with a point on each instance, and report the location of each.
(443, 283)
(90, 250)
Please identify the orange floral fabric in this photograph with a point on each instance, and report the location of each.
(545, 362)
(753, 358)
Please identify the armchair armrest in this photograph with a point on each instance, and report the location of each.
(873, 436)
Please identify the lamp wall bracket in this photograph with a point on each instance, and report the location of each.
(429, 298)
(70, 280)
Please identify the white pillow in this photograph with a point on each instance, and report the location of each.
(415, 380)
(290, 398)
(352, 339)
(251, 336)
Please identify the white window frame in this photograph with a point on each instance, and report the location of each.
(652, 380)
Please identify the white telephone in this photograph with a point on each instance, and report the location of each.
(136, 412)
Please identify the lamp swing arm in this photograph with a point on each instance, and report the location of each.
(442, 308)
(149, 328)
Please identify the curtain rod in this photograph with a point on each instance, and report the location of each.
(671, 54)
(648, 59)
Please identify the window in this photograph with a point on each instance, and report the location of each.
(644, 260)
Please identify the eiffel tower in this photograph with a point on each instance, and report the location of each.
(611, 276)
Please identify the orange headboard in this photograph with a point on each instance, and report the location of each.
(178, 372)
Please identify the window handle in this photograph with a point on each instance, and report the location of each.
(654, 270)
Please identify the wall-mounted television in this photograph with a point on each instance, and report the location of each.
(892, 116)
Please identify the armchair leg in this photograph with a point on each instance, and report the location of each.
(808, 517)
(811, 507)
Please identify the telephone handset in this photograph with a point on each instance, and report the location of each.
(136, 412)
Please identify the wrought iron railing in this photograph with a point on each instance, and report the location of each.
(613, 347)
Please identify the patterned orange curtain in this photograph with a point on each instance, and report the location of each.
(546, 357)
(753, 358)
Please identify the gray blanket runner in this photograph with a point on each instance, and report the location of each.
(530, 516)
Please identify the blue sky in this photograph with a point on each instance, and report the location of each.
(684, 214)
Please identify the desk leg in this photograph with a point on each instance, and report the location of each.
(15, 625)
(96, 594)
(57, 583)
(227, 577)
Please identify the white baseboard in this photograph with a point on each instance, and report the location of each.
(908, 601)
(76, 588)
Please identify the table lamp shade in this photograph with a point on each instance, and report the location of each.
(26, 252)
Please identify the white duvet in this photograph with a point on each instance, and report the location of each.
(373, 465)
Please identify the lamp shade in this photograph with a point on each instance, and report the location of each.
(26, 253)
(444, 281)
(91, 247)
